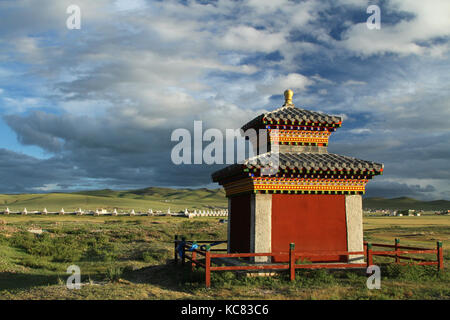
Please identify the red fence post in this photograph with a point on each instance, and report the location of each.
(440, 256)
(194, 254)
(208, 266)
(397, 242)
(369, 255)
(175, 249)
(292, 261)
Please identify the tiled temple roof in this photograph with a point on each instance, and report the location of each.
(291, 114)
(302, 161)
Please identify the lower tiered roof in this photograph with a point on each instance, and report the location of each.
(321, 164)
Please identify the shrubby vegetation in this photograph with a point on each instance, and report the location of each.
(131, 258)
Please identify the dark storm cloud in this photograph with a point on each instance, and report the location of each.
(103, 101)
(22, 173)
(122, 156)
(395, 190)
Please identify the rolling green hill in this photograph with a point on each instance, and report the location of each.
(405, 203)
(142, 199)
(163, 198)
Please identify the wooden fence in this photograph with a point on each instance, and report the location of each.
(400, 253)
(202, 255)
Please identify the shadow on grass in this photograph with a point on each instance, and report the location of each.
(168, 276)
(176, 277)
(12, 281)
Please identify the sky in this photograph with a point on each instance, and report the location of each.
(95, 107)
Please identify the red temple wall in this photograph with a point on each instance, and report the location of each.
(313, 222)
(240, 224)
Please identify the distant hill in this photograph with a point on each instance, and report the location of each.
(405, 203)
(158, 198)
(142, 199)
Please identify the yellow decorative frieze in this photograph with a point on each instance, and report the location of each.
(270, 184)
(299, 136)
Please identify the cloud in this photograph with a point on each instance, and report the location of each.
(354, 83)
(277, 85)
(407, 36)
(250, 39)
(396, 189)
(102, 101)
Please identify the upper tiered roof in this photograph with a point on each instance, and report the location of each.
(288, 114)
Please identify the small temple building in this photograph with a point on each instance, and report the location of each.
(313, 198)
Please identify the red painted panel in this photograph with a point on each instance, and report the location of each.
(313, 222)
(240, 224)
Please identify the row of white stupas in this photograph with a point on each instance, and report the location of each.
(187, 213)
(208, 213)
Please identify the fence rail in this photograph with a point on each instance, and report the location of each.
(183, 247)
(400, 252)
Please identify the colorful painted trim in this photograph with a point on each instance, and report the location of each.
(296, 185)
(299, 137)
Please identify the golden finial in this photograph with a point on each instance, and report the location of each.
(288, 94)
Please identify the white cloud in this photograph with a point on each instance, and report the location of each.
(360, 130)
(250, 39)
(47, 187)
(20, 104)
(277, 85)
(129, 4)
(354, 83)
(430, 21)
(136, 70)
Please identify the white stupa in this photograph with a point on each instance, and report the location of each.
(44, 211)
(132, 213)
(61, 212)
(6, 211)
(25, 211)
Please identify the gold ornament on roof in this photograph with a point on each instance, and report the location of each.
(288, 94)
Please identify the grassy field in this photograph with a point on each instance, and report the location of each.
(158, 198)
(143, 199)
(405, 203)
(130, 258)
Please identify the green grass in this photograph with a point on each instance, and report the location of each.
(143, 199)
(131, 258)
(163, 198)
